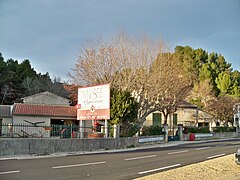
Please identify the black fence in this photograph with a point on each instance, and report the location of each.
(57, 131)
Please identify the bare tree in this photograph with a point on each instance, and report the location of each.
(172, 83)
(222, 108)
(138, 65)
(203, 92)
(5, 92)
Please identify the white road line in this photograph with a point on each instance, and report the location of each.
(3, 159)
(77, 165)
(177, 152)
(158, 169)
(211, 157)
(142, 157)
(202, 148)
(9, 172)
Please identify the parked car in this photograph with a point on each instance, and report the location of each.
(237, 157)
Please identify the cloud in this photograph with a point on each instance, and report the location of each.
(50, 33)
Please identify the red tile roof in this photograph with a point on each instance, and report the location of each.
(5, 111)
(44, 110)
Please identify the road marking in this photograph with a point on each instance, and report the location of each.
(202, 148)
(211, 157)
(9, 172)
(158, 169)
(77, 165)
(142, 157)
(177, 152)
(3, 159)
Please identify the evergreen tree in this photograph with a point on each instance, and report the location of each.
(124, 111)
(18, 80)
(224, 82)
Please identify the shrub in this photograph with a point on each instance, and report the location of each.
(224, 129)
(198, 130)
(128, 130)
(151, 130)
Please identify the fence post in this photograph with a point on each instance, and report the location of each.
(11, 130)
(81, 128)
(180, 132)
(116, 131)
(106, 129)
(165, 126)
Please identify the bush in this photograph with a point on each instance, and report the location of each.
(128, 130)
(224, 129)
(151, 130)
(198, 130)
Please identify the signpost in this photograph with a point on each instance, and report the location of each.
(93, 105)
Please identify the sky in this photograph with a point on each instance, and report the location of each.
(50, 33)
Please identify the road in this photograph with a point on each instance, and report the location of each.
(118, 165)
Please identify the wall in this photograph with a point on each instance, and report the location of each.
(20, 120)
(6, 120)
(184, 116)
(207, 136)
(21, 146)
(48, 146)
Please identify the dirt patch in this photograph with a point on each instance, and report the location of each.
(215, 169)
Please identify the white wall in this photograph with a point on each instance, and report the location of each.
(33, 131)
(184, 116)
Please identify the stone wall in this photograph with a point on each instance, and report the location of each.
(48, 146)
(206, 136)
(21, 146)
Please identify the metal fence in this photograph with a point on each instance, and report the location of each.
(57, 131)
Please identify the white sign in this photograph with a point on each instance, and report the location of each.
(151, 139)
(94, 102)
(203, 135)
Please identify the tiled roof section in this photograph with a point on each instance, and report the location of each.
(5, 111)
(185, 104)
(44, 110)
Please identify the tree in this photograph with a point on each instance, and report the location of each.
(224, 82)
(127, 63)
(235, 90)
(124, 109)
(205, 73)
(189, 60)
(173, 83)
(72, 90)
(222, 108)
(20, 79)
(202, 93)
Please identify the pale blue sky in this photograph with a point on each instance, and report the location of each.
(50, 33)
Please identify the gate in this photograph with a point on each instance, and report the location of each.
(173, 134)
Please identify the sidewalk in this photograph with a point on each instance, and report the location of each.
(214, 169)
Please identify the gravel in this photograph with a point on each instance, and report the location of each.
(221, 168)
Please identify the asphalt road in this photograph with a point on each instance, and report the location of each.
(120, 165)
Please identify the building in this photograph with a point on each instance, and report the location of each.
(5, 116)
(43, 109)
(187, 114)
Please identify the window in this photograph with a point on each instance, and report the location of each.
(157, 119)
(174, 120)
